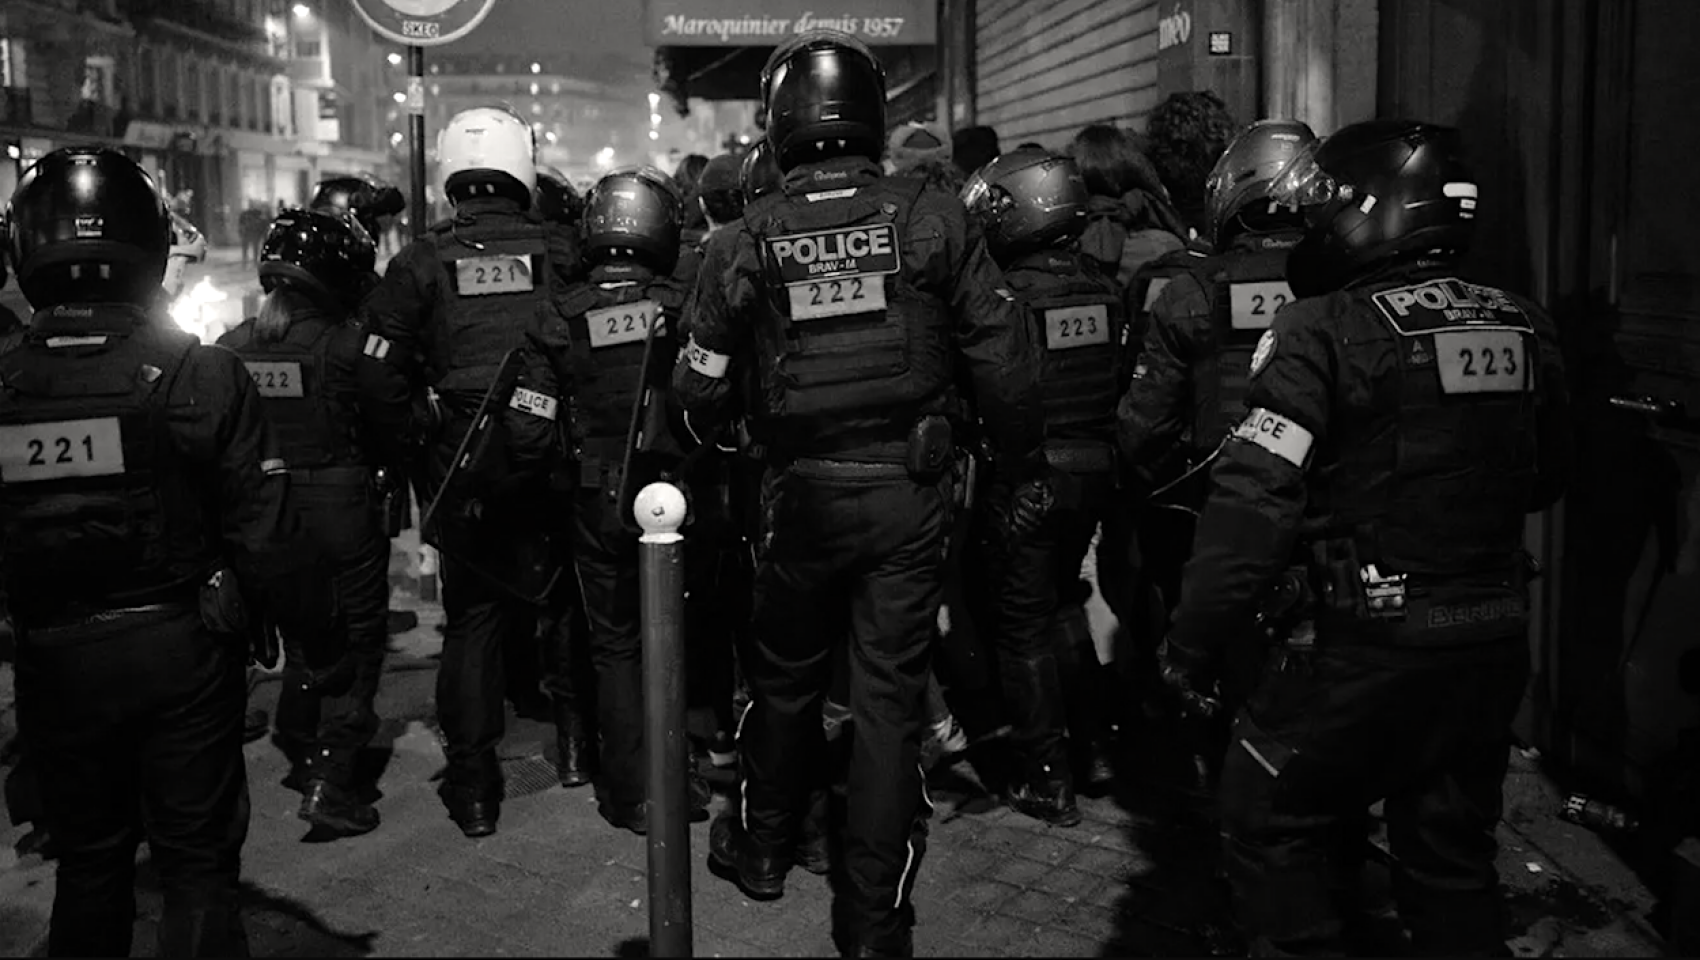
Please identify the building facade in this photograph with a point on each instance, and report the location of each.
(203, 93)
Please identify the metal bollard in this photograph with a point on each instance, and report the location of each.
(660, 510)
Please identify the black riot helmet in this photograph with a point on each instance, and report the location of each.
(635, 213)
(824, 93)
(1375, 192)
(87, 225)
(557, 201)
(1027, 200)
(367, 198)
(1237, 192)
(760, 173)
(327, 255)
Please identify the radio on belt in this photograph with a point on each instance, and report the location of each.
(1383, 595)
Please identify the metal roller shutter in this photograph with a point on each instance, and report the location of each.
(1046, 68)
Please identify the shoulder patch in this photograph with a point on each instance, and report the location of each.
(1264, 353)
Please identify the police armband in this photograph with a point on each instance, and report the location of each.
(706, 362)
(1278, 435)
(534, 403)
(376, 347)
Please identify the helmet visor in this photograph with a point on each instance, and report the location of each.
(1302, 183)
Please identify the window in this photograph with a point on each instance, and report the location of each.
(307, 49)
(99, 80)
(11, 75)
(194, 107)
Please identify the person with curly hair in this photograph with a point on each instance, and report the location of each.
(1184, 137)
(1129, 219)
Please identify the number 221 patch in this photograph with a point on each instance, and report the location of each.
(55, 451)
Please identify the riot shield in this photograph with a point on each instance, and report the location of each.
(468, 522)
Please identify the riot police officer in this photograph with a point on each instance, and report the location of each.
(1204, 314)
(471, 311)
(331, 404)
(622, 322)
(556, 198)
(1403, 420)
(858, 295)
(368, 199)
(1032, 206)
(139, 485)
(759, 174)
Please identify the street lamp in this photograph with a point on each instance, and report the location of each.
(302, 11)
(655, 119)
(654, 100)
(655, 135)
(400, 97)
(395, 59)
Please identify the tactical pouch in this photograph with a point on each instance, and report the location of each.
(931, 449)
(222, 608)
(1338, 573)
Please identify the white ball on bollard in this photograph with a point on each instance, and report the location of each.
(660, 512)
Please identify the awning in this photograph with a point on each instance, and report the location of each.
(714, 49)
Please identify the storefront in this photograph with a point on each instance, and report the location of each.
(715, 49)
(1045, 68)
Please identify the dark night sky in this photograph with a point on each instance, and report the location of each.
(586, 31)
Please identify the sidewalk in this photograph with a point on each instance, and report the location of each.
(557, 881)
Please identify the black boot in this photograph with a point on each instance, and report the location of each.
(814, 849)
(732, 855)
(574, 753)
(336, 809)
(1048, 799)
(475, 811)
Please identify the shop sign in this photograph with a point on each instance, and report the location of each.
(424, 23)
(768, 23)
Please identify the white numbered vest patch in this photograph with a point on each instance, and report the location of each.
(488, 276)
(623, 323)
(55, 451)
(836, 273)
(1069, 327)
(1481, 361)
(276, 379)
(1252, 306)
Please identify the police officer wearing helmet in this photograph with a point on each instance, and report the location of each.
(1403, 420)
(1032, 206)
(1203, 314)
(139, 486)
(451, 308)
(556, 198)
(368, 199)
(759, 174)
(858, 297)
(330, 404)
(623, 320)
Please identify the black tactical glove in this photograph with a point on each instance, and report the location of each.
(1191, 673)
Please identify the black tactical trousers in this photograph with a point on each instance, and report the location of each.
(1036, 621)
(136, 723)
(330, 682)
(1325, 737)
(719, 575)
(605, 555)
(471, 680)
(867, 550)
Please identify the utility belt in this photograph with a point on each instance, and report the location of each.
(66, 623)
(1334, 587)
(601, 463)
(927, 457)
(338, 476)
(1081, 456)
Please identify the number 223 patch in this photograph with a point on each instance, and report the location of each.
(1481, 361)
(55, 451)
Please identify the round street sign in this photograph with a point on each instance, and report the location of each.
(424, 23)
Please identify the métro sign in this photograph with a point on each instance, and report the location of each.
(423, 23)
